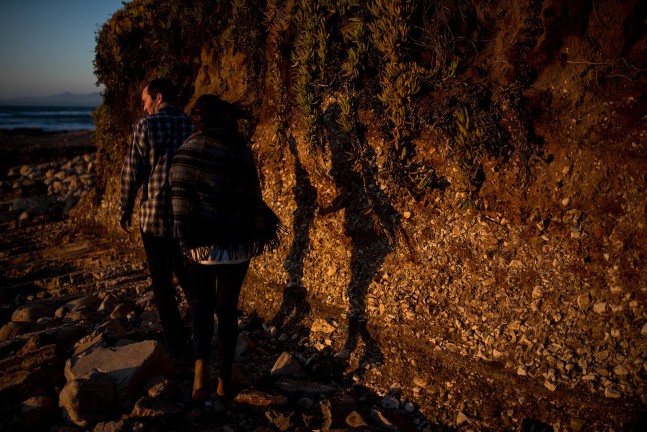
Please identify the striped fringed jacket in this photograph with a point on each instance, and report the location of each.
(217, 202)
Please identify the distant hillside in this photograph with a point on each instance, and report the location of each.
(63, 99)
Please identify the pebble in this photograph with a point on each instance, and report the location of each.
(390, 402)
(621, 371)
(461, 418)
(66, 183)
(583, 301)
(550, 386)
(612, 393)
(410, 407)
(599, 308)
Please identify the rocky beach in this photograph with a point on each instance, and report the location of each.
(80, 339)
(81, 347)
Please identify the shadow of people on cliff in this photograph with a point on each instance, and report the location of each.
(370, 223)
(295, 307)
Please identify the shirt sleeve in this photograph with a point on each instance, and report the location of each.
(134, 168)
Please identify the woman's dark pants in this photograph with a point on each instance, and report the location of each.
(216, 289)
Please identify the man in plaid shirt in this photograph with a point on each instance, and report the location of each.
(147, 166)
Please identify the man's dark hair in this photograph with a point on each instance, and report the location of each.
(165, 87)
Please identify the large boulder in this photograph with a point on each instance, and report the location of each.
(31, 313)
(13, 329)
(89, 399)
(129, 366)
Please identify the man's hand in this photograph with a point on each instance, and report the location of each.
(124, 222)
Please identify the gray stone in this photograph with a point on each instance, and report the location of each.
(102, 336)
(108, 303)
(122, 310)
(128, 365)
(150, 407)
(355, 420)
(31, 313)
(28, 415)
(287, 365)
(90, 399)
(244, 344)
(390, 402)
(13, 329)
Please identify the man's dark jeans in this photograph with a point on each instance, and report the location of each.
(164, 259)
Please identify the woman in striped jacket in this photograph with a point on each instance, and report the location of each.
(221, 222)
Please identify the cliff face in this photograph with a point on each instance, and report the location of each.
(466, 197)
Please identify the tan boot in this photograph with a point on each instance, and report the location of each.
(200, 381)
(225, 388)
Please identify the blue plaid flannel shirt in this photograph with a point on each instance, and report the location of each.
(147, 165)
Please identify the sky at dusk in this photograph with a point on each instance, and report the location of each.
(47, 46)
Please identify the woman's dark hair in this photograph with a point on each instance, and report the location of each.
(165, 87)
(212, 112)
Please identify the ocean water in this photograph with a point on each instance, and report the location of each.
(48, 118)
